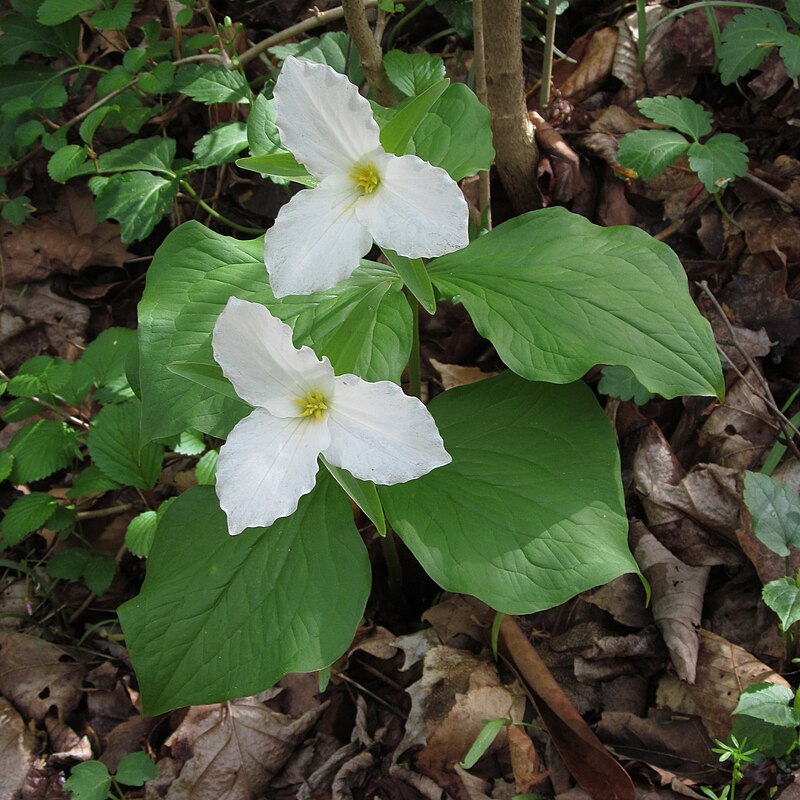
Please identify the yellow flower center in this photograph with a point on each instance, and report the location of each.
(366, 178)
(313, 404)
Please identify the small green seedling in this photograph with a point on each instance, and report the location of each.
(620, 382)
(717, 161)
(491, 727)
(735, 753)
(91, 780)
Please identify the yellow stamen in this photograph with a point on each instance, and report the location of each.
(313, 405)
(366, 178)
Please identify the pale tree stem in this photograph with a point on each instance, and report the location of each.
(514, 142)
(547, 61)
(485, 197)
(369, 52)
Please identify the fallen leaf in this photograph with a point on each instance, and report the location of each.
(624, 599)
(37, 676)
(17, 749)
(677, 598)
(453, 375)
(594, 66)
(234, 749)
(723, 671)
(529, 776)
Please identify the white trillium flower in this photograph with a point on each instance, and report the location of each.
(302, 409)
(365, 194)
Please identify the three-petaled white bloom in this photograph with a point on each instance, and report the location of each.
(302, 410)
(365, 194)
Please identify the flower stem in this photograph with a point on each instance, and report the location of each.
(394, 570)
(215, 214)
(414, 383)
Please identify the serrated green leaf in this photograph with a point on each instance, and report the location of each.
(783, 597)
(91, 481)
(54, 12)
(114, 79)
(6, 464)
(557, 295)
(211, 83)
(789, 44)
(113, 19)
(334, 49)
(135, 59)
(620, 382)
(717, 162)
(680, 113)
(88, 781)
(23, 35)
(51, 379)
(793, 10)
(530, 512)
(90, 125)
(291, 595)
(62, 520)
(26, 87)
(775, 509)
(747, 40)
(412, 73)
(141, 532)
(66, 163)
(769, 702)
(159, 79)
(20, 409)
(40, 449)
(136, 768)
(26, 515)
(483, 741)
(99, 573)
(649, 153)
(363, 324)
(116, 448)
(154, 154)
(220, 145)
(262, 133)
(68, 564)
(206, 469)
(105, 357)
(191, 443)
(278, 165)
(16, 211)
(28, 132)
(137, 200)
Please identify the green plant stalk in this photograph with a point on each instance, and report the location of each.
(394, 570)
(547, 63)
(414, 381)
(713, 26)
(724, 211)
(215, 214)
(641, 24)
(715, 4)
(403, 21)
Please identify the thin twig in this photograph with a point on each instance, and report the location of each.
(784, 423)
(771, 190)
(369, 52)
(99, 513)
(50, 407)
(320, 18)
(484, 177)
(363, 689)
(547, 58)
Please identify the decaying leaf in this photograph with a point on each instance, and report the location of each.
(677, 598)
(594, 65)
(624, 599)
(17, 749)
(453, 375)
(723, 671)
(233, 749)
(38, 676)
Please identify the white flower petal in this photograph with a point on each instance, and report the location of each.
(266, 466)
(418, 209)
(380, 434)
(322, 119)
(316, 240)
(256, 353)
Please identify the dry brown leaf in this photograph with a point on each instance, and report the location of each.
(460, 615)
(235, 749)
(624, 599)
(453, 375)
(529, 775)
(14, 599)
(17, 750)
(37, 676)
(738, 433)
(723, 671)
(677, 598)
(594, 66)
(65, 745)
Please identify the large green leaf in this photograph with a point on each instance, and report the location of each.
(747, 40)
(275, 600)
(530, 512)
(412, 73)
(557, 295)
(680, 113)
(775, 509)
(717, 162)
(363, 325)
(40, 449)
(212, 83)
(456, 135)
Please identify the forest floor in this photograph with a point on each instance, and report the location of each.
(621, 696)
